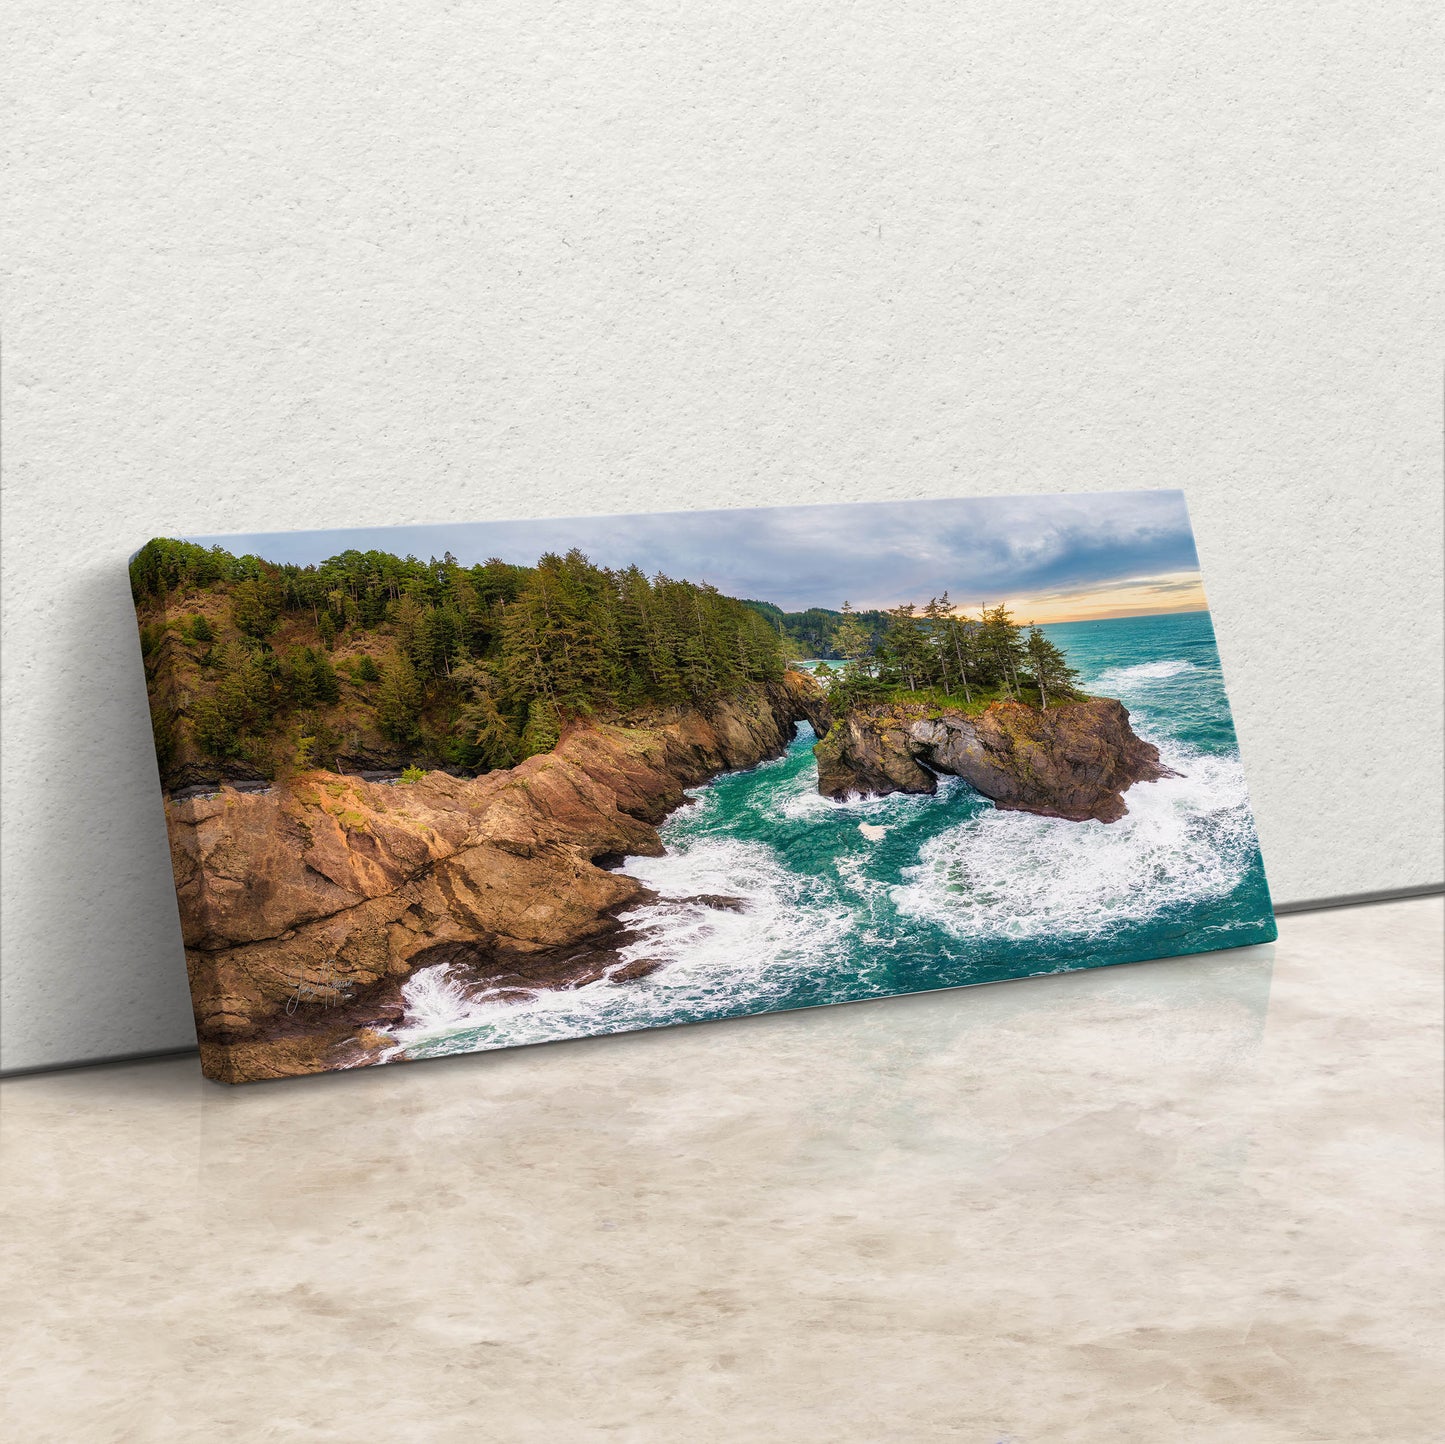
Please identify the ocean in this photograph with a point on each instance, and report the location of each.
(951, 891)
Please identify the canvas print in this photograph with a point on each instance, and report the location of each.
(433, 790)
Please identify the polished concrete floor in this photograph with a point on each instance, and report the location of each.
(1192, 1200)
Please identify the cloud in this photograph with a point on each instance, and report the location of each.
(874, 554)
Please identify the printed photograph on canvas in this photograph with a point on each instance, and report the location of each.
(435, 790)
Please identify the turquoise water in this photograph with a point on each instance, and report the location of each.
(899, 894)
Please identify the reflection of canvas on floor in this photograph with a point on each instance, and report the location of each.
(591, 775)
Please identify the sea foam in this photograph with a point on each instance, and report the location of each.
(788, 918)
(1130, 679)
(710, 961)
(828, 908)
(1013, 875)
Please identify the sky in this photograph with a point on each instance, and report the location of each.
(1050, 558)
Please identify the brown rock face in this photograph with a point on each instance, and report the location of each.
(297, 901)
(811, 701)
(868, 751)
(1073, 761)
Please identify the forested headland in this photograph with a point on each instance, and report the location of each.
(369, 659)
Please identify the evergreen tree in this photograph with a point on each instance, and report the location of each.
(1052, 674)
(1001, 648)
(582, 603)
(938, 615)
(506, 654)
(239, 708)
(486, 738)
(853, 644)
(256, 606)
(905, 648)
(528, 663)
(399, 699)
(961, 638)
(328, 687)
(298, 677)
(407, 614)
(637, 655)
(816, 632)
(500, 657)
(542, 729)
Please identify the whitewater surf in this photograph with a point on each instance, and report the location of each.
(903, 893)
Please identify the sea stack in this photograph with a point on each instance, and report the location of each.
(1074, 760)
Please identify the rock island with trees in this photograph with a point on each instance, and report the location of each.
(546, 719)
(939, 654)
(373, 661)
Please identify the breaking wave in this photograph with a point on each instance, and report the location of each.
(712, 961)
(1142, 674)
(1001, 875)
(835, 901)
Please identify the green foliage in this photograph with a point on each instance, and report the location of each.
(328, 685)
(943, 656)
(412, 774)
(307, 678)
(323, 738)
(480, 666)
(238, 709)
(818, 632)
(851, 641)
(399, 700)
(855, 688)
(1050, 668)
(908, 650)
(482, 737)
(904, 656)
(483, 666)
(256, 606)
(165, 565)
(164, 732)
(541, 731)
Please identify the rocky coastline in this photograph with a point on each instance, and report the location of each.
(1073, 761)
(306, 906)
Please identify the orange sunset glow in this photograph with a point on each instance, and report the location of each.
(1129, 597)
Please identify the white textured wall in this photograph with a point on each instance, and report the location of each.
(293, 266)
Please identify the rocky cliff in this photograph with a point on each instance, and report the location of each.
(1073, 761)
(304, 907)
(812, 702)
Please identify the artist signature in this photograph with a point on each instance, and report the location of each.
(328, 989)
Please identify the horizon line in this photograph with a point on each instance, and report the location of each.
(960, 611)
(1123, 616)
